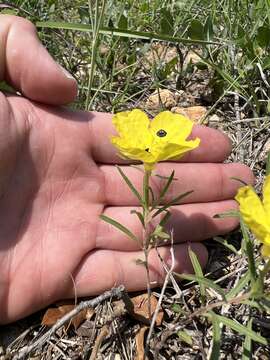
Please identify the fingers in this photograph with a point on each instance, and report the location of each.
(103, 269)
(191, 222)
(28, 67)
(214, 146)
(209, 182)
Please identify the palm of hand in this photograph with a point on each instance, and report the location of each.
(50, 203)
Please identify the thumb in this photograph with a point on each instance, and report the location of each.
(27, 66)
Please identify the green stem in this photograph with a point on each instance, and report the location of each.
(146, 237)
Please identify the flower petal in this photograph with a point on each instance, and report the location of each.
(176, 126)
(253, 213)
(266, 196)
(133, 128)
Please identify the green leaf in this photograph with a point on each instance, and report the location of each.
(249, 249)
(263, 36)
(123, 22)
(130, 185)
(215, 353)
(165, 218)
(208, 28)
(206, 282)
(184, 336)
(177, 308)
(198, 272)
(225, 243)
(119, 227)
(226, 214)
(165, 188)
(120, 32)
(139, 215)
(240, 286)
(172, 202)
(247, 351)
(166, 22)
(196, 30)
(242, 330)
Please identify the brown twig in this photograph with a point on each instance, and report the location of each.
(113, 293)
(103, 333)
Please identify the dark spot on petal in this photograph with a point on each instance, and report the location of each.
(161, 133)
(147, 149)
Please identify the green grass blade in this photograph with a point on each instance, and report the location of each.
(240, 285)
(123, 33)
(129, 184)
(198, 272)
(242, 330)
(206, 282)
(119, 227)
(215, 353)
(247, 346)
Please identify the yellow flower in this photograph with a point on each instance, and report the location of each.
(256, 213)
(161, 139)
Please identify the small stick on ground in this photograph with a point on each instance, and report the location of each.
(113, 293)
(167, 278)
(103, 333)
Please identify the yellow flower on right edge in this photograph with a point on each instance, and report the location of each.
(256, 213)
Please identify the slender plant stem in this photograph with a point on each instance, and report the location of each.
(146, 235)
(96, 24)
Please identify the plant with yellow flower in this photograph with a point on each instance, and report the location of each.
(151, 141)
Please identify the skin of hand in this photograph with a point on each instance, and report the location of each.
(57, 175)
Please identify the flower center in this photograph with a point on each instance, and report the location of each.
(161, 133)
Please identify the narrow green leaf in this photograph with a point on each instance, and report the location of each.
(184, 336)
(208, 28)
(120, 32)
(139, 215)
(198, 272)
(263, 36)
(166, 22)
(239, 286)
(165, 218)
(215, 353)
(226, 214)
(172, 202)
(165, 187)
(242, 330)
(129, 184)
(123, 22)
(225, 243)
(247, 351)
(249, 251)
(119, 227)
(196, 30)
(206, 282)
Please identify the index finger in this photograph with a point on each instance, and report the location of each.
(214, 146)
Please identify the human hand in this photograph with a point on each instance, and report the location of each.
(57, 176)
